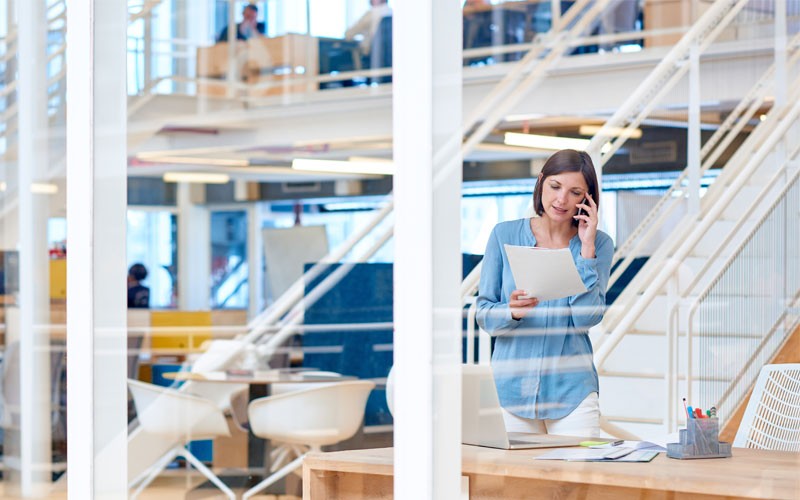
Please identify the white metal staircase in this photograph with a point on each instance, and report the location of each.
(643, 350)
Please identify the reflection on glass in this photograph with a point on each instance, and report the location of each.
(229, 266)
(152, 242)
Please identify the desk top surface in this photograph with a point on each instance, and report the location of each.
(749, 473)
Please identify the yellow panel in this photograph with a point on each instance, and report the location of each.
(197, 324)
(58, 278)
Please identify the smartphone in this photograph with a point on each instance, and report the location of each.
(584, 202)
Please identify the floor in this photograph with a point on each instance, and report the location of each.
(169, 486)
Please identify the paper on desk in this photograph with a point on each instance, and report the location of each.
(544, 273)
(635, 445)
(584, 454)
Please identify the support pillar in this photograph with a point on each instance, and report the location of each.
(96, 267)
(427, 271)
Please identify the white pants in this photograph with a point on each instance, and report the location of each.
(583, 421)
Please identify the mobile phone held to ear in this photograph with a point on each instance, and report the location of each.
(584, 202)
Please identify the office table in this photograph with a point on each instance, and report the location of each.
(502, 474)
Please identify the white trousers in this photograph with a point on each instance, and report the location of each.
(583, 421)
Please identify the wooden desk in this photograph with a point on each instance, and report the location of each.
(500, 474)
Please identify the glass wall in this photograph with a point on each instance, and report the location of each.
(229, 264)
(152, 242)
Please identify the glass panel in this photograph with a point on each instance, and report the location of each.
(229, 266)
(32, 253)
(152, 243)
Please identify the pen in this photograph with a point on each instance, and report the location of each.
(602, 443)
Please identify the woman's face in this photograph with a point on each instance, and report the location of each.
(561, 193)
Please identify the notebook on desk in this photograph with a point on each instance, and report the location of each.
(482, 419)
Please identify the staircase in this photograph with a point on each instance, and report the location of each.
(650, 345)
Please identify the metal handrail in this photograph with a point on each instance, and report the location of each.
(790, 183)
(662, 78)
(699, 230)
(711, 150)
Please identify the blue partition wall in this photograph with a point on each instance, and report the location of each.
(364, 295)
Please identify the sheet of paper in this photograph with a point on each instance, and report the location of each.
(584, 454)
(636, 445)
(544, 273)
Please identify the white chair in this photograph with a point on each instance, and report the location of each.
(772, 418)
(315, 417)
(283, 453)
(176, 417)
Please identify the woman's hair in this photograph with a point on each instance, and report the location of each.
(567, 160)
(138, 272)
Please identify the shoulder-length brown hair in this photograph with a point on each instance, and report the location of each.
(567, 160)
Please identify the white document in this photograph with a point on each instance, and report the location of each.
(585, 454)
(544, 273)
(635, 445)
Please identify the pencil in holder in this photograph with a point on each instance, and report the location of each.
(700, 439)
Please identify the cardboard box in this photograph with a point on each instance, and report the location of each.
(669, 14)
(299, 53)
(212, 62)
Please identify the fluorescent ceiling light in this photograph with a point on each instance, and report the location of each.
(199, 177)
(188, 160)
(545, 141)
(43, 188)
(524, 118)
(591, 130)
(372, 167)
(370, 159)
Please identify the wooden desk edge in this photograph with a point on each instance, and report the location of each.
(379, 462)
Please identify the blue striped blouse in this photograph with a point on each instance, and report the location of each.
(542, 363)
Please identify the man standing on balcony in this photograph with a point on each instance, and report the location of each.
(248, 28)
(365, 28)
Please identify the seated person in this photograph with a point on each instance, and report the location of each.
(138, 294)
(248, 28)
(468, 4)
(365, 28)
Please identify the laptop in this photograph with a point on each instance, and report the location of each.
(482, 421)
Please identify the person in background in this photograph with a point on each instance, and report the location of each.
(248, 28)
(475, 3)
(364, 29)
(138, 294)
(542, 361)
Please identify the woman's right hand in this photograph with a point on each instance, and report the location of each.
(520, 307)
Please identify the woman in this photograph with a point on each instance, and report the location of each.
(542, 359)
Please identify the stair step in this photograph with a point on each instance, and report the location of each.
(630, 419)
(647, 354)
(714, 235)
(696, 334)
(658, 376)
(741, 203)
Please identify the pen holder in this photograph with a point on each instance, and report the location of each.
(700, 439)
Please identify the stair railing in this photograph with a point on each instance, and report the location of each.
(713, 148)
(513, 82)
(685, 245)
(774, 237)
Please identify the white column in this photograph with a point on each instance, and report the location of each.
(194, 249)
(693, 131)
(427, 273)
(96, 271)
(255, 257)
(28, 446)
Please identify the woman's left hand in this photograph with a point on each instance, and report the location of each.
(587, 226)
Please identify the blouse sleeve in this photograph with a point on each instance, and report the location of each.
(494, 314)
(587, 308)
